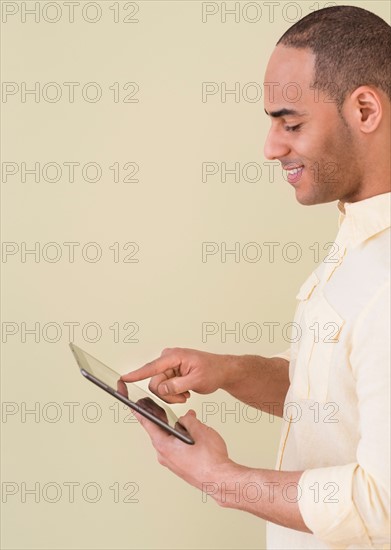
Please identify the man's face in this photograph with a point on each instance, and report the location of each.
(312, 138)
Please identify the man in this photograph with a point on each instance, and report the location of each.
(330, 488)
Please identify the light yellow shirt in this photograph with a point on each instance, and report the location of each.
(336, 424)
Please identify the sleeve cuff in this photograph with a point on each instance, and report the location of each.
(284, 354)
(326, 504)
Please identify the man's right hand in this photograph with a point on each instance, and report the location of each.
(179, 370)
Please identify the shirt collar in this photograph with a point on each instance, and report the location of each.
(364, 219)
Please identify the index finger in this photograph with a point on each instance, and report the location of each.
(122, 389)
(150, 369)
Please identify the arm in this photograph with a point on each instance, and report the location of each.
(259, 381)
(342, 505)
(359, 512)
(268, 494)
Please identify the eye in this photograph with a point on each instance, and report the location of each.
(293, 128)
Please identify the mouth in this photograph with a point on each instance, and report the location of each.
(294, 174)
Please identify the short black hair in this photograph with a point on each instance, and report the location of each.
(352, 48)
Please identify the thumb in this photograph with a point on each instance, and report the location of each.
(191, 423)
(174, 386)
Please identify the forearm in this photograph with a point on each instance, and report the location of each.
(261, 382)
(269, 494)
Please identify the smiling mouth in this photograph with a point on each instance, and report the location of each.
(294, 174)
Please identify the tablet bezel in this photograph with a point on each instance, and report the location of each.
(80, 359)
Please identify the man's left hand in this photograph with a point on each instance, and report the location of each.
(197, 464)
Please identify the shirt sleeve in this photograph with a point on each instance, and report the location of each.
(284, 354)
(350, 504)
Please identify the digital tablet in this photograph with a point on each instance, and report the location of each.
(132, 395)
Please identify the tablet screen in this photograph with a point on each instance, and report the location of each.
(131, 391)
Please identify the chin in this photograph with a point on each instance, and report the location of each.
(306, 200)
(310, 198)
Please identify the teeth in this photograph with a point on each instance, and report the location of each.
(294, 171)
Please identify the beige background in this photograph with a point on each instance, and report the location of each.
(169, 293)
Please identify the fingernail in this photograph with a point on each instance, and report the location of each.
(164, 389)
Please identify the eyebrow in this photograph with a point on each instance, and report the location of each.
(284, 112)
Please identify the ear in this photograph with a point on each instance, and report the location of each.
(366, 109)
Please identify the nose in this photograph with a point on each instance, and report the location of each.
(275, 146)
